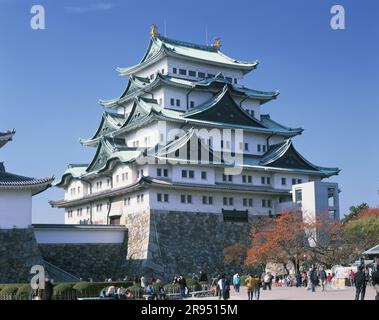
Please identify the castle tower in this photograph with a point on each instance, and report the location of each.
(186, 158)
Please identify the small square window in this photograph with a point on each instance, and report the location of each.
(189, 198)
(178, 102)
(268, 180)
(225, 201)
(249, 179)
(210, 200)
(159, 197)
(235, 80)
(223, 177)
(165, 172)
(174, 70)
(284, 181)
(192, 73)
(269, 203)
(184, 173)
(172, 101)
(293, 181)
(159, 172)
(201, 75)
(191, 174)
(264, 148)
(244, 202)
(244, 179)
(263, 203)
(203, 175)
(259, 148)
(192, 104)
(231, 201)
(182, 198)
(246, 146)
(250, 202)
(229, 79)
(183, 72)
(165, 197)
(263, 180)
(230, 178)
(205, 200)
(299, 181)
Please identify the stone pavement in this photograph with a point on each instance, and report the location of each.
(293, 293)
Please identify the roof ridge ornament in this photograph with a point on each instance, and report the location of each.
(217, 43)
(153, 30)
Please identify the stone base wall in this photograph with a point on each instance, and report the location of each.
(97, 261)
(186, 242)
(18, 253)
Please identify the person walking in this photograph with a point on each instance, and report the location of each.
(351, 278)
(249, 282)
(257, 283)
(236, 282)
(226, 288)
(220, 286)
(267, 280)
(360, 283)
(314, 279)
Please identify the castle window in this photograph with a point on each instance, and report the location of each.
(182, 198)
(189, 198)
(159, 172)
(203, 175)
(231, 201)
(250, 202)
(246, 146)
(178, 102)
(211, 75)
(201, 75)
(269, 203)
(159, 197)
(165, 197)
(230, 178)
(191, 174)
(192, 73)
(210, 200)
(249, 179)
(174, 70)
(162, 71)
(299, 181)
(259, 147)
(263, 203)
(244, 179)
(235, 80)
(184, 173)
(225, 201)
(172, 101)
(165, 172)
(229, 79)
(192, 104)
(264, 148)
(284, 181)
(205, 200)
(183, 72)
(293, 181)
(268, 180)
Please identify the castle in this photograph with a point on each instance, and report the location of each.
(186, 159)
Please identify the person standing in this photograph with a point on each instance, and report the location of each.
(183, 286)
(47, 292)
(314, 279)
(351, 278)
(236, 282)
(142, 282)
(322, 277)
(226, 288)
(375, 281)
(360, 283)
(220, 286)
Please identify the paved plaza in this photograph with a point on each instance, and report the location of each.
(293, 293)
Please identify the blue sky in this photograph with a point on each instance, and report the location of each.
(51, 80)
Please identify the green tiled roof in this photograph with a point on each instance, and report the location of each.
(162, 46)
(135, 88)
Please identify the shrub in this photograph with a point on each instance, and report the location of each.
(24, 292)
(137, 290)
(64, 289)
(10, 289)
(95, 288)
(171, 288)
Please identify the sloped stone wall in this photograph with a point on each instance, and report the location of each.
(97, 261)
(187, 242)
(18, 253)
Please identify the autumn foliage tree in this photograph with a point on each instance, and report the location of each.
(281, 239)
(235, 254)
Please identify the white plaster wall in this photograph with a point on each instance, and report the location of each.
(56, 236)
(250, 104)
(277, 180)
(15, 209)
(201, 67)
(153, 69)
(177, 174)
(81, 189)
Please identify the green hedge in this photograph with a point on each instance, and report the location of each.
(24, 292)
(96, 287)
(10, 289)
(64, 289)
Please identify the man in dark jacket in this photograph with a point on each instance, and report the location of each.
(47, 292)
(314, 279)
(183, 286)
(375, 281)
(360, 283)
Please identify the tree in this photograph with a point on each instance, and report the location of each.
(362, 232)
(282, 240)
(235, 254)
(354, 211)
